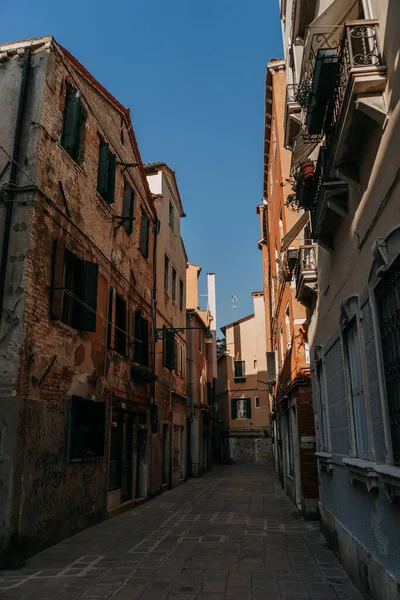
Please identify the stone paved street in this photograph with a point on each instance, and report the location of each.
(230, 535)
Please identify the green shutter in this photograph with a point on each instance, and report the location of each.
(170, 350)
(127, 208)
(112, 161)
(248, 408)
(137, 347)
(58, 279)
(89, 296)
(233, 409)
(144, 235)
(145, 343)
(102, 177)
(70, 138)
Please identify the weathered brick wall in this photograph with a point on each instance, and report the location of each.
(250, 450)
(59, 497)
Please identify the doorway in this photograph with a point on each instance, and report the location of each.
(126, 457)
(140, 487)
(165, 455)
(296, 456)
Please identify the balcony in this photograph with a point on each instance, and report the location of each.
(329, 204)
(306, 274)
(292, 119)
(342, 84)
(357, 101)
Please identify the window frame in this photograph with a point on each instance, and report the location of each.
(144, 236)
(76, 152)
(181, 295)
(257, 402)
(351, 317)
(173, 284)
(322, 402)
(247, 405)
(242, 376)
(171, 216)
(106, 180)
(128, 208)
(167, 263)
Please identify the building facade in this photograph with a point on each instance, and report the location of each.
(242, 397)
(77, 225)
(169, 428)
(283, 236)
(342, 110)
(201, 355)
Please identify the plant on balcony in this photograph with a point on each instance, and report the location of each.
(295, 181)
(302, 181)
(303, 93)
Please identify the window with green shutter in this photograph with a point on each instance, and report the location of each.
(141, 340)
(73, 120)
(144, 235)
(106, 172)
(128, 208)
(74, 289)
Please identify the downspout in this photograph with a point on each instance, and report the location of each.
(154, 322)
(13, 176)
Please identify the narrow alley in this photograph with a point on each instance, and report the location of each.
(233, 535)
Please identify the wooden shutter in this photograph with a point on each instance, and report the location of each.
(233, 409)
(137, 348)
(170, 350)
(248, 408)
(145, 343)
(144, 235)
(112, 161)
(70, 139)
(127, 208)
(89, 296)
(57, 285)
(102, 176)
(111, 317)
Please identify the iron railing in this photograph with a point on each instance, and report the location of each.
(320, 177)
(359, 48)
(291, 90)
(307, 261)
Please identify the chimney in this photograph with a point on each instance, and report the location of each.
(212, 307)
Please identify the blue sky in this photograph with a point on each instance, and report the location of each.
(192, 74)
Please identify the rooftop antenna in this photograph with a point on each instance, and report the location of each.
(235, 306)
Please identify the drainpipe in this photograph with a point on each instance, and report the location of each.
(156, 230)
(191, 389)
(13, 176)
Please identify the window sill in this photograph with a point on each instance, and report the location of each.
(390, 476)
(74, 162)
(239, 379)
(363, 471)
(325, 462)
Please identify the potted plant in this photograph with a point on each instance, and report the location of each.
(303, 93)
(307, 171)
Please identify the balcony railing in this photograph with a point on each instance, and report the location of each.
(292, 107)
(333, 58)
(359, 51)
(306, 274)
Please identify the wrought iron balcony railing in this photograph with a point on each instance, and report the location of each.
(359, 51)
(305, 273)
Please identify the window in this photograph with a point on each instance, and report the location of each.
(168, 349)
(181, 367)
(200, 332)
(74, 289)
(388, 305)
(240, 408)
(322, 405)
(240, 371)
(181, 295)
(141, 340)
(86, 430)
(257, 401)
(128, 208)
(173, 284)
(356, 389)
(106, 173)
(171, 217)
(144, 235)
(166, 274)
(73, 130)
(117, 323)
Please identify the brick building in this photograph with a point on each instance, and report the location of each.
(287, 290)
(242, 397)
(169, 435)
(77, 222)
